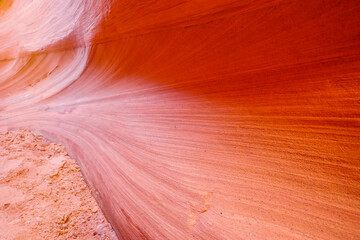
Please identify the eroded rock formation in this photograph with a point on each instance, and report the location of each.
(196, 119)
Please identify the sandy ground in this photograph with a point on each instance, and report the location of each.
(43, 194)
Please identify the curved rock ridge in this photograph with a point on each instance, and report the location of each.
(196, 119)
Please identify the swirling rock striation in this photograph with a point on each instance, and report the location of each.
(196, 119)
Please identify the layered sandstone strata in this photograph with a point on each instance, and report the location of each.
(196, 119)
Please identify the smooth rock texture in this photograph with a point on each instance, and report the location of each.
(196, 119)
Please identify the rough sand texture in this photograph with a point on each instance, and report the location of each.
(43, 194)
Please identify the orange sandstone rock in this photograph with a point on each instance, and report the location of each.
(197, 119)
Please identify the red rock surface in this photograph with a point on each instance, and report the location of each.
(196, 119)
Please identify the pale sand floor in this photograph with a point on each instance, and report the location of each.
(43, 194)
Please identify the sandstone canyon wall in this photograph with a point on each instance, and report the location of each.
(196, 119)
